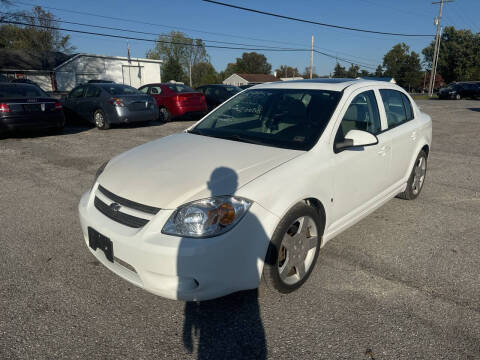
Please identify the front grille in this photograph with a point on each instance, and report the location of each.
(118, 216)
(128, 203)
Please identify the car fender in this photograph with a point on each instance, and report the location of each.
(291, 183)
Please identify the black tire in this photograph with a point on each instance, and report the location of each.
(164, 115)
(458, 97)
(100, 120)
(271, 277)
(414, 189)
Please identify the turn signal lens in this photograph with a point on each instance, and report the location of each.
(4, 108)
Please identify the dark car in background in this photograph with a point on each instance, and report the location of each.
(25, 106)
(216, 94)
(108, 103)
(460, 90)
(176, 100)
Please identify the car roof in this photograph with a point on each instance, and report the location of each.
(322, 84)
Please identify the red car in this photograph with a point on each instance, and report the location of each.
(176, 100)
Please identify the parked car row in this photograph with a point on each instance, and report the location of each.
(104, 102)
(460, 90)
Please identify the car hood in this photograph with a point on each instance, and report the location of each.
(176, 169)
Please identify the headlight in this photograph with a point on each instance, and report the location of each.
(99, 172)
(207, 217)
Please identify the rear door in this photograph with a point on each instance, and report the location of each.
(90, 102)
(360, 173)
(402, 129)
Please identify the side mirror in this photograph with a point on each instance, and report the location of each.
(355, 138)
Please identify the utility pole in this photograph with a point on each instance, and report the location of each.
(436, 50)
(311, 60)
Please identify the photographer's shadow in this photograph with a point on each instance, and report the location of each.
(229, 327)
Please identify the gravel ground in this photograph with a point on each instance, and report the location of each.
(404, 282)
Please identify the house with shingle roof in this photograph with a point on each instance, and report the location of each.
(249, 79)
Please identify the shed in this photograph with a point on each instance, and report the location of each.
(129, 71)
(245, 79)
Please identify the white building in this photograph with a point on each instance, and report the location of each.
(83, 67)
(54, 71)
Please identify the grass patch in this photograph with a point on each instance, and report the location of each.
(423, 97)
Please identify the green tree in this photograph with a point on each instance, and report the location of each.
(32, 38)
(353, 71)
(404, 66)
(173, 70)
(287, 71)
(379, 71)
(364, 73)
(339, 71)
(306, 73)
(204, 73)
(459, 56)
(252, 63)
(177, 48)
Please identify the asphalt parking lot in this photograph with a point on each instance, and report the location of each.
(404, 282)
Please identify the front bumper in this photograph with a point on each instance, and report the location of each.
(183, 268)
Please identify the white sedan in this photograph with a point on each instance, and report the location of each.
(252, 191)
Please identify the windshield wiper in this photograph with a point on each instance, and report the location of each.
(236, 137)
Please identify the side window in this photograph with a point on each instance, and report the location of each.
(362, 114)
(92, 91)
(76, 93)
(209, 91)
(143, 90)
(408, 107)
(201, 90)
(155, 90)
(394, 108)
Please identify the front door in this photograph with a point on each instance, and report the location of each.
(360, 173)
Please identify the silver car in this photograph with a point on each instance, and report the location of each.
(109, 103)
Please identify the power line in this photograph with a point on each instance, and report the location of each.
(180, 28)
(166, 35)
(129, 30)
(314, 22)
(155, 24)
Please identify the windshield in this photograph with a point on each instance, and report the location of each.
(118, 89)
(180, 88)
(287, 118)
(21, 91)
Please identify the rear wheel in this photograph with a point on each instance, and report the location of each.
(100, 120)
(293, 249)
(164, 115)
(416, 179)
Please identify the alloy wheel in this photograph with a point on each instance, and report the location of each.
(99, 119)
(297, 250)
(419, 175)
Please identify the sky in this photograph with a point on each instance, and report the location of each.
(208, 21)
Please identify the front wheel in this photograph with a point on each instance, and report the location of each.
(458, 97)
(164, 115)
(416, 179)
(100, 120)
(293, 249)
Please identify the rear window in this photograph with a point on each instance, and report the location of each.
(180, 88)
(118, 89)
(21, 91)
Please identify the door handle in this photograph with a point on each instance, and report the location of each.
(413, 136)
